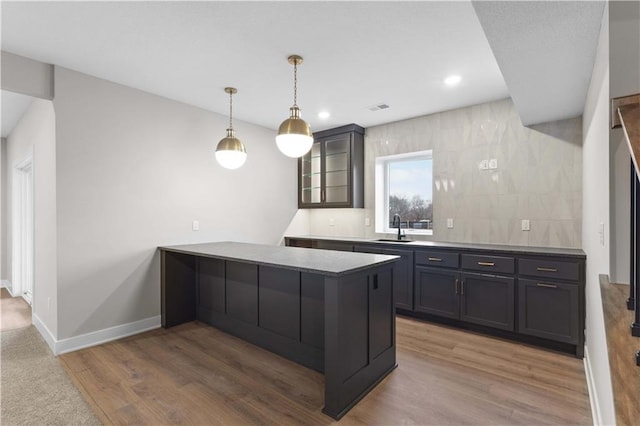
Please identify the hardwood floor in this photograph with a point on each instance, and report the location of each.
(622, 346)
(195, 374)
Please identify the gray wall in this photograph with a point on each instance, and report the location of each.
(595, 211)
(3, 210)
(26, 76)
(35, 135)
(133, 171)
(624, 60)
(539, 177)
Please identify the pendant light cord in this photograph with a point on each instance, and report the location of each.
(295, 83)
(230, 109)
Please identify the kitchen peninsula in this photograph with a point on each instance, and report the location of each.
(330, 311)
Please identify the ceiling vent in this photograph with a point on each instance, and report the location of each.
(377, 107)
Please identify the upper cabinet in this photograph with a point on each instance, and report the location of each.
(332, 173)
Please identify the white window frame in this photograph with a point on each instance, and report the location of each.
(382, 191)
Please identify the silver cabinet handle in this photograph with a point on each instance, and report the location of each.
(546, 285)
(541, 269)
(435, 259)
(486, 264)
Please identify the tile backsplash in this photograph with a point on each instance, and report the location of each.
(538, 178)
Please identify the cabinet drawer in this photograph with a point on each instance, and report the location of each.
(549, 269)
(474, 262)
(437, 258)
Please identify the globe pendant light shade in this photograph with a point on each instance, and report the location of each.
(230, 152)
(294, 135)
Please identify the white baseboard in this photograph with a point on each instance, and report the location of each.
(44, 332)
(106, 335)
(7, 284)
(593, 396)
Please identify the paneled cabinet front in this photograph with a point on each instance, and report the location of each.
(402, 273)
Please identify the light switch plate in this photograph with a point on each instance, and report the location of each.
(526, 225)
(367, 221)
(449, 223)
(332, 222)
(195, 225)
(484, 165)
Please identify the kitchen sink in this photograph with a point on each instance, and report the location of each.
(390, 240)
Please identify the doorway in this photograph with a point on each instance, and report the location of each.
(23, 230)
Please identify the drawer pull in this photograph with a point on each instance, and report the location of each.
(541, 269)
(435, 259)
(546, 285)
(486, 264)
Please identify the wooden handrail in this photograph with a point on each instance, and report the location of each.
(630, 120)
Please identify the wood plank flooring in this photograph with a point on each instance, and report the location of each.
(622, 346)
(196, 374)
(15, 312)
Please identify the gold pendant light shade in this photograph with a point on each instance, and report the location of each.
(230, 152)
(294, 135)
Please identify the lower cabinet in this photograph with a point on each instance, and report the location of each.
(549, 310)
(437, 292)
(487, 300)
(475, 298)
(402, 274)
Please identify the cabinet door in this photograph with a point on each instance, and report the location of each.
(548, 310)
(402, 278)
(487, 300)
(310, 176)
(337, 170)
(436, 292)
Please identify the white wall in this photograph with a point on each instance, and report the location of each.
(133, 171)
(35, 135)
(595, 211)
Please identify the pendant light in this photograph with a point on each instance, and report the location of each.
(230, 152)
(294, 135)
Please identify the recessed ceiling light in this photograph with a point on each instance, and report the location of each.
(324, 115)
(452, 80)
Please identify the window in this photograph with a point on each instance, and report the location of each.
(404, 185)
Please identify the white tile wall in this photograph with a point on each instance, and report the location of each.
(539, 177)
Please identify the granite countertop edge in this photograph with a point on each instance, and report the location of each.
(415, 244)
(380, 260)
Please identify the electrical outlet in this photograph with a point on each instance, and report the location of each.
(332, 222)
(493, 163)
(526, 225)
(601, 233)
(195, 225)
(449, 223)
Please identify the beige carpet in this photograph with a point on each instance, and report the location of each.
(14, 312)
(34, 389)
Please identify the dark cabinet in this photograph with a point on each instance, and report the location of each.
(534, 295)
(487, 300)
(475, 298)
(550, 300)
(437, 292)
(332, 173)
(402, 273)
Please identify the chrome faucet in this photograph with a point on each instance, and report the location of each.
(397, 222)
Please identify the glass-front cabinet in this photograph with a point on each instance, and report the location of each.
(331, 174)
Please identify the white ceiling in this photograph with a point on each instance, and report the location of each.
(356, 54)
